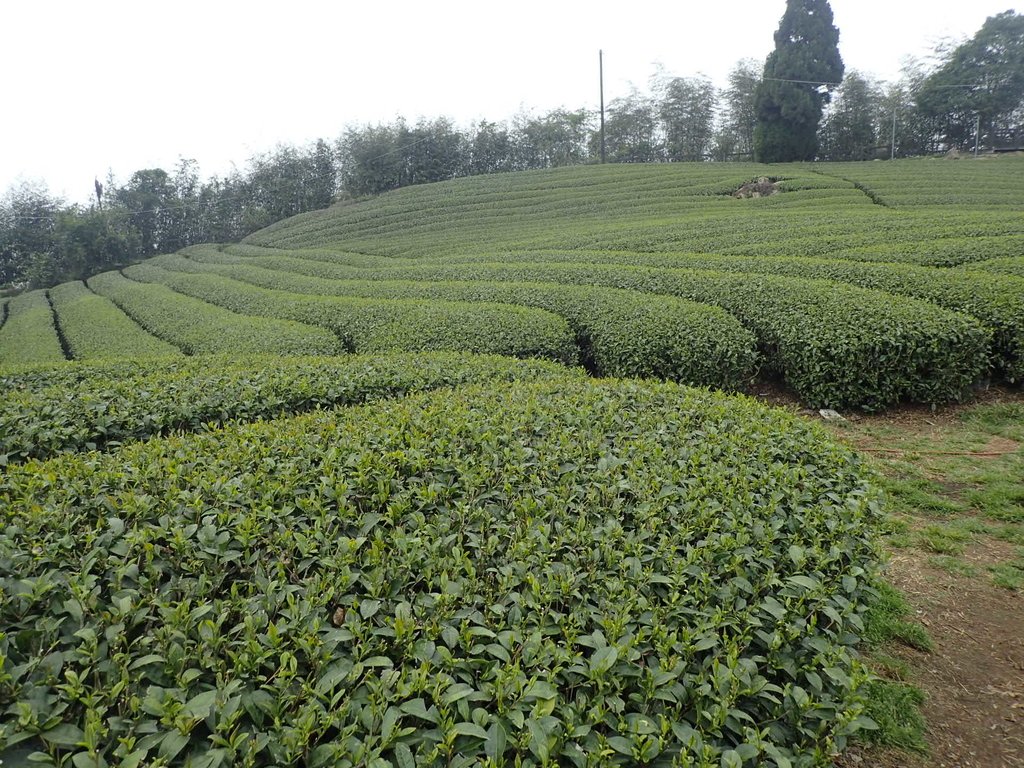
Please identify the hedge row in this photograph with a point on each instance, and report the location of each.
(197, 327)
(366, 325)
(95, 329)
(620, 333)
(29, 335)
(570, 572)
(1011, 265)
(50, 410)
(997, 302)
(835, 345)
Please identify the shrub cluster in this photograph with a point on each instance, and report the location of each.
(1010, 265)
(56, 409)
(996, 302)
(28, 335)
(94, 328)
(197, 327)
(836, 345)
(377, 325)
(566, 572)
(619, 333)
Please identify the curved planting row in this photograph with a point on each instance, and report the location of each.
(95, 328)
(1011, 265)
(197, 327)
(569, 572)
(836, 345)
(366, 325)
(620, 333)
(997, 302)
(29, 335)
(50, 410)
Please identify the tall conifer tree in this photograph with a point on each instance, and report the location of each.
(796, 83)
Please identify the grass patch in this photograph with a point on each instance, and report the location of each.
(943, 539)
(1010, 575)
(953, 565)
(894, 705)
(896, 708)
(885, 622)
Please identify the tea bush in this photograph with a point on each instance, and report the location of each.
(28, 335)
(54, 409)
(197, 327)
(94, 328)
(835, 345)
(567, 572)
(619, 333)
(365, 325)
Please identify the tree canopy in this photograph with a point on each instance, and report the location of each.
(798, 76)
(980, 84)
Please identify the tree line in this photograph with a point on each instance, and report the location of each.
(973, 96)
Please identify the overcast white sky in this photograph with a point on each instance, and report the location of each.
(126, 84)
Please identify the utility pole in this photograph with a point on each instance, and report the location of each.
(977, 134)
(600, 68)
(893, 155)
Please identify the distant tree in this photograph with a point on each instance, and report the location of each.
(798, 76)
(28, 225)
(851, 129)
(631, 130)
(491, 149)
(148, 200)
(370, 159)
(686, 108)
(433, 150)
(734, 138)
(552, 140)
(980, 81)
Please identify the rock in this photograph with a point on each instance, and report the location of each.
(829, 415)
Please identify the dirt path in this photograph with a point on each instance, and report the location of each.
(974, 679)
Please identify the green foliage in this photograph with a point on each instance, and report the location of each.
(365, 325)
(981, 79)
(94, 328)
(69, 408)
(619, 333)
(566, 572)
(797, 76)
(996, 302)
(29, 335)
(835, 345)
(1012, 265)
(197, 327)
(886, 621)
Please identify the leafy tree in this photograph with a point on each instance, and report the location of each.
(980, 81)
(734, 138)
(491, 149)
(797, 78)
(28, 219)
(555, 139)
(686, 108)
(630, 130)
(149, 199)
(852, 128)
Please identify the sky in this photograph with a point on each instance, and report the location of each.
(119, 85)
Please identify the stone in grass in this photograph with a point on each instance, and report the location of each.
(829, 415)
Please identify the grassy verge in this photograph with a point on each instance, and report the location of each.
(954, 482)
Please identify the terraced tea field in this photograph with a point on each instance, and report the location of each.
(296, 502)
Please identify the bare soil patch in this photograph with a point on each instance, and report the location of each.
(974, 679)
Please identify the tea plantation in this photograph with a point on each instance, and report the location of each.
(458, 475)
